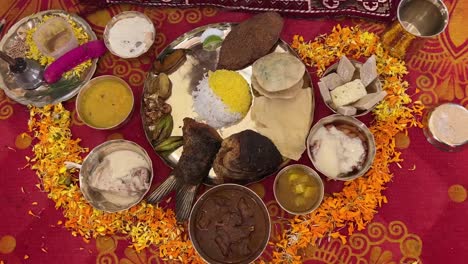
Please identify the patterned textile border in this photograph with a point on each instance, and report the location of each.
(374, 9)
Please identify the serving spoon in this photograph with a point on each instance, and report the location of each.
(28, 73)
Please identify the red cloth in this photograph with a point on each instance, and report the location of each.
(425, 218)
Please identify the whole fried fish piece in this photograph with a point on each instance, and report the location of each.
(247, 156)
(250, 40)
(201, 143)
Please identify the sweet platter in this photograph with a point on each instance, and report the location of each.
(198, 62)
(45, 94)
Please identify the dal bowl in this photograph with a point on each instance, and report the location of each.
(346, 149)
(229, 224)
(298, 189)
(105, 102)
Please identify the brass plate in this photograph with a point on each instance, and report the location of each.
(187, 77)
(42, 95)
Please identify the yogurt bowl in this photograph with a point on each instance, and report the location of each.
(341, 147)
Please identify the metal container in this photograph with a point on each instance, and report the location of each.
(446, 127)
(373, 87)
(44, 94)
(311, 173)
(87, 86)
(364, 132)
(122, 16)
(417, 21)
(96, 198)
(260, 238)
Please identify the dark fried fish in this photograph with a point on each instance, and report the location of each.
(250, 40)
(247, 156)
(201, 143)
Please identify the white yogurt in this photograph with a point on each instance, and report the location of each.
(335, 152)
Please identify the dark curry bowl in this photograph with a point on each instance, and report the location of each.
(229, 224)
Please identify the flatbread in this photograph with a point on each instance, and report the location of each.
(285, 94)
(286, 122)
(278, 71)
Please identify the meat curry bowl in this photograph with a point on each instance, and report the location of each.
(116, 175)
(229, 224)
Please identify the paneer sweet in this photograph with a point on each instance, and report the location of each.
(348, 93)
(324, 92)
(347, 110)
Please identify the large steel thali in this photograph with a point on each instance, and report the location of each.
(186, 78)
(44, 94)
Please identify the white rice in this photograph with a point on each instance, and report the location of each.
(210, 108)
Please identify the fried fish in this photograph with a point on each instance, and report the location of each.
(201, 143)
(250, 40)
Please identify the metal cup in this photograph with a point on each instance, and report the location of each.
(417, 21)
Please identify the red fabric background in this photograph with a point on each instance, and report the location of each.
(423, 204)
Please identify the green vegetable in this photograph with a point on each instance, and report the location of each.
(170, 143)
(163, 129)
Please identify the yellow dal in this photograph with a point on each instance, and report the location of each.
(232, 89)
(106, 103)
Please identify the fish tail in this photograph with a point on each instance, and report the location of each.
(164, 189)
(184, 200)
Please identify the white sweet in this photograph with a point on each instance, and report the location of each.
(130, 37)
(348, 93)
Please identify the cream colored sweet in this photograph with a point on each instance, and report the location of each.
(449, 124)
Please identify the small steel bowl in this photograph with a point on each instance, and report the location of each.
(373, 87)
(361, 128)
(423, 18)
(311, 173)
(87, 86)
(126, 15)
(92, 160)
(259, 237)
(438, 130)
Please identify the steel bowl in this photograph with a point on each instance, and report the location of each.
(95, 197)
(423, 18)
(361, 128)
(87, 86)
(443, 135)
(208, 250)
(373, 87)
(311, 173)
(125, 15)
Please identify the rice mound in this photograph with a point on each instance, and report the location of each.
(222, 98)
